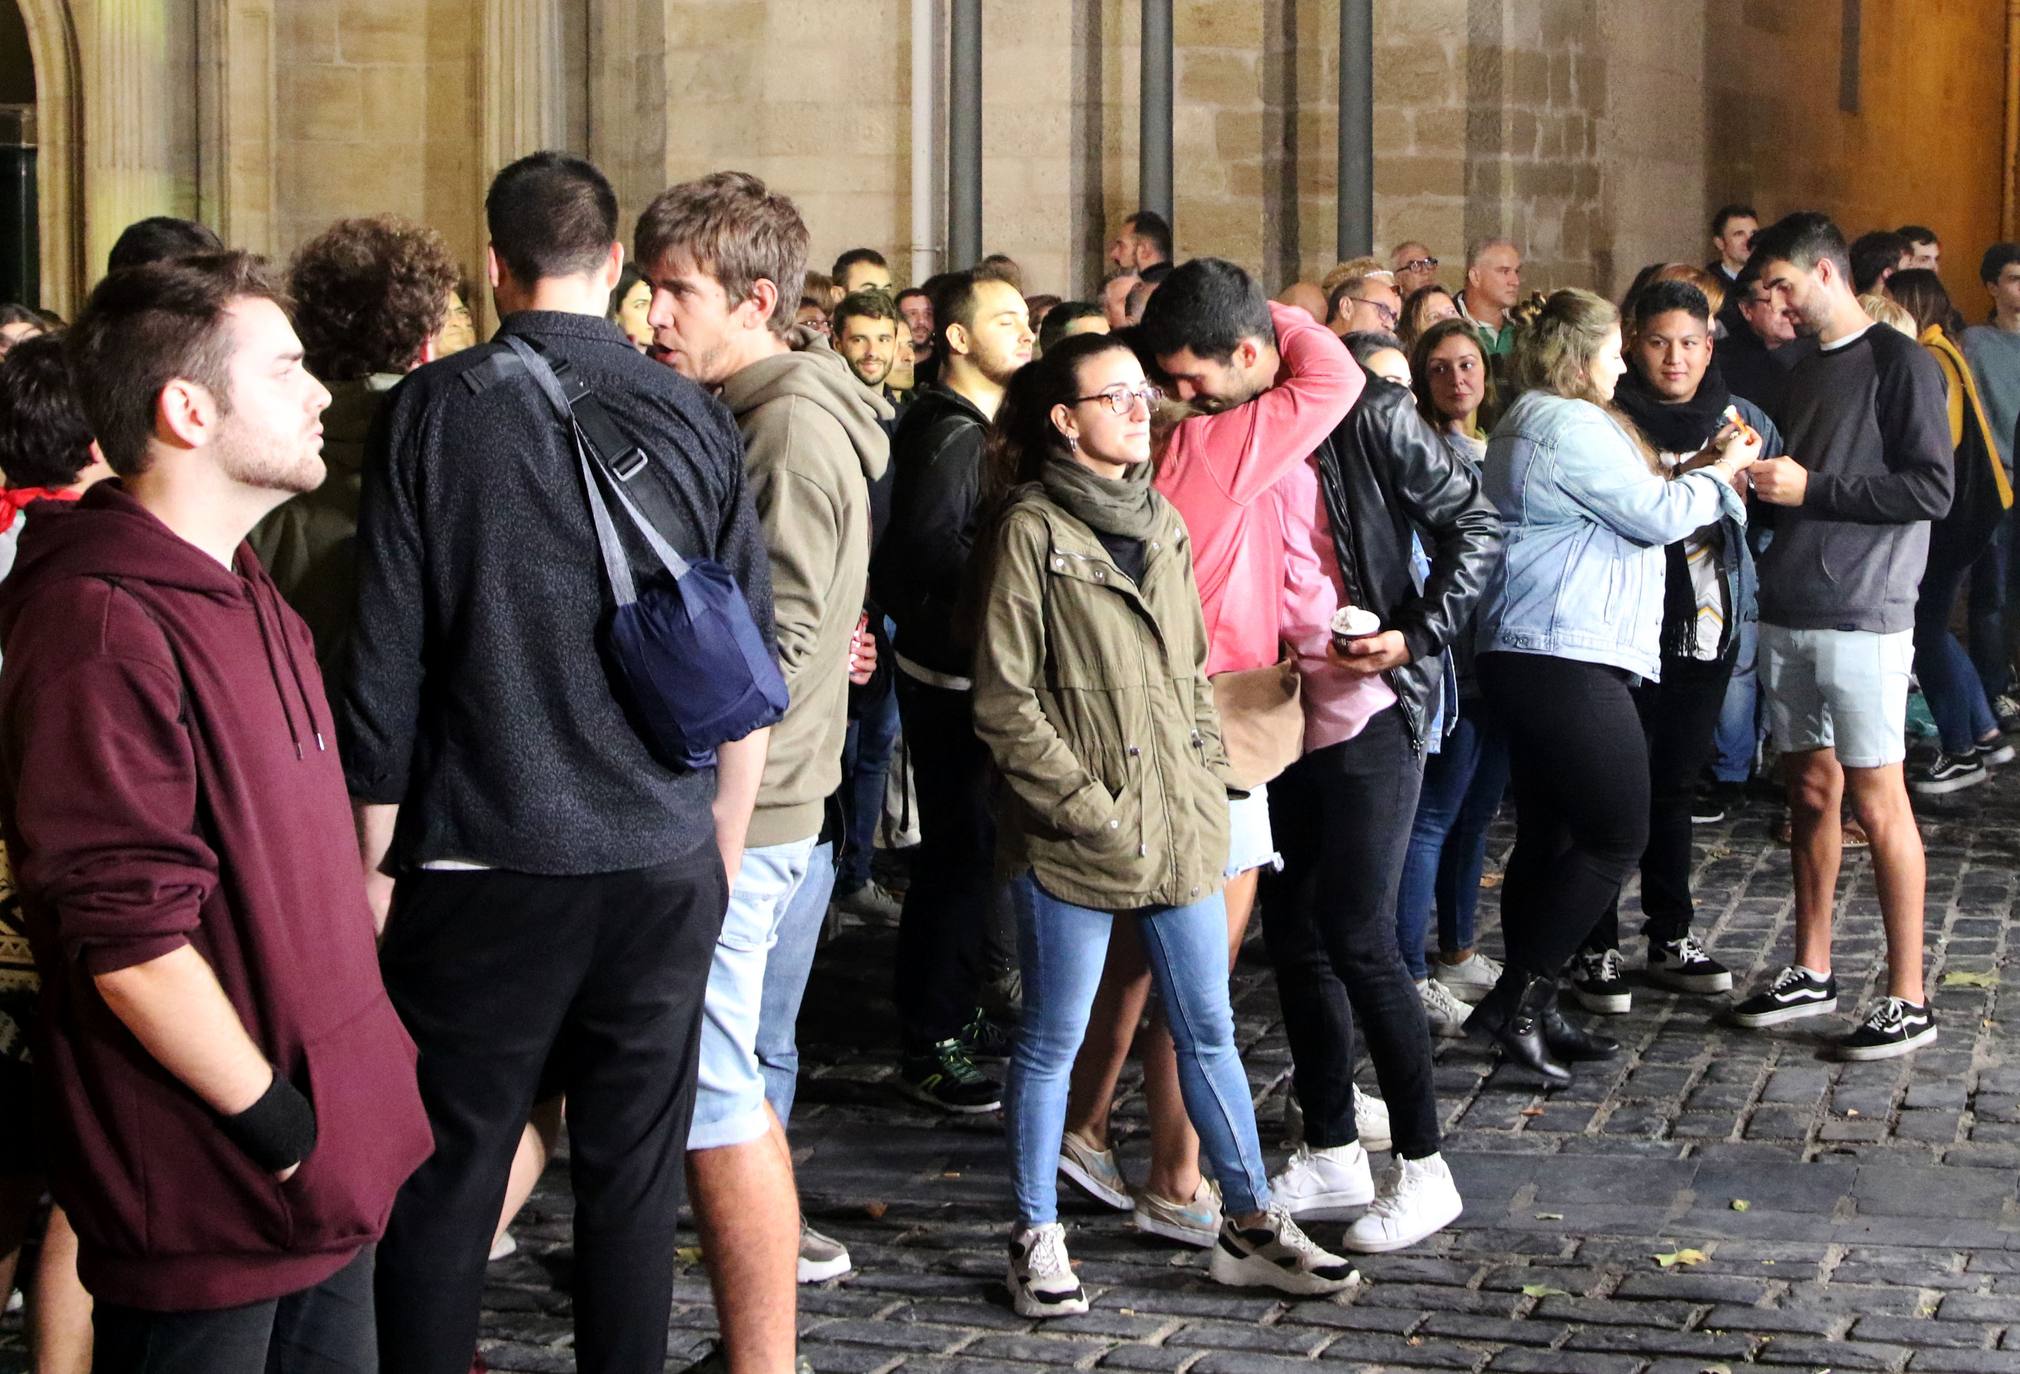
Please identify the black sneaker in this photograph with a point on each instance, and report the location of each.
(1946, 773)
(986, 1038)
(1683, 965)
(1599, 983)
(1896, 1026)
(1994, 751)
(1714, 802)
(1790, 997)
(945, 1077)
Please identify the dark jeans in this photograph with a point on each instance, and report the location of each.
(1990, 590)
(1679, 719)
(1950, 681)
(1580, 769)
(493, 972)
(326, 1329)
(953, 875)
(1463, 785)
(1341, 817)
(866, 762)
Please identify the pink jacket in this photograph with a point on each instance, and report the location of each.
(1218, 472)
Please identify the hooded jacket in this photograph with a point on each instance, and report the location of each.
(812, 445)
(309, 543)
(169, 777)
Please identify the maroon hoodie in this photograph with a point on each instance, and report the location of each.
(168, 776)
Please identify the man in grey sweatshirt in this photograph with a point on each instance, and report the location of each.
(1867, 428)
(1993, 351)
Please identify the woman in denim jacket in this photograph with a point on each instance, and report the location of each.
(1569, 621)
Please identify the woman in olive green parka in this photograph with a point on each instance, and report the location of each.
(1091, 693)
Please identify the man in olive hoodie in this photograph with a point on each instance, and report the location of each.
(726, 259)
(230, 1100)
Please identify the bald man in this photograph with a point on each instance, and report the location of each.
(1307, 296)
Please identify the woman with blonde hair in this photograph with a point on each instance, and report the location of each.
(1570, 618)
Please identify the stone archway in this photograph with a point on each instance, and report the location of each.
(52, 47)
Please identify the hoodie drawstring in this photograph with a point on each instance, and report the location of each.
(273, 671)
(301, 689)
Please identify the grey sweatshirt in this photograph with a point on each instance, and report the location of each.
(1870, 422)
(1994, 355)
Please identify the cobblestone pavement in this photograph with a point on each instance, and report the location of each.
(1849, 1217)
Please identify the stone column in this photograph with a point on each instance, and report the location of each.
(237, 164)
(52, 45)
(524, 108)
(128, 166)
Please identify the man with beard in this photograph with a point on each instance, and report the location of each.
(866, 335)
(983, 335)
(1867, 428)
(213, 1017)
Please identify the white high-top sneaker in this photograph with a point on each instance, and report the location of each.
(1041, 1278)
(1417, 1199)
(1324, 1184)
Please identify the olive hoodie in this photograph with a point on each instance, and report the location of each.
(812, 446)
(169, 777)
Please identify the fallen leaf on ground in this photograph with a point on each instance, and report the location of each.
(951, 1173)
(876, 1210)
(1962, 978)
(1532, 1111)
(1686, 1256)
(1740, 1204)
(1542, 1290)
(1550, 1216)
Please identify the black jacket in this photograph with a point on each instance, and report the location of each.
(918, 568)
(1384, 473)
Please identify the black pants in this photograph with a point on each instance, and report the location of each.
(1679, 719)
(1341, 818)
(493, 972)
(1580, 774)
(947, 908)
(326, 1329)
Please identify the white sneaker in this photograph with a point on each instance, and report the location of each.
(1443, 1010)
(1041, 1278)
(821, 1257)
(1277, 1255)
(1325, 1184)
(1371, 1122)
(503, 1247)
(1417, 1199)
(1469, 980)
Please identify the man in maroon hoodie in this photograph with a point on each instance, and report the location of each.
(227, 1096)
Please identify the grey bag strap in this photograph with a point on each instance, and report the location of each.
(615, 562)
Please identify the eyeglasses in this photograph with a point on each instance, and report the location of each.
(1119, 398)
(1418, 265)
(1381, 308)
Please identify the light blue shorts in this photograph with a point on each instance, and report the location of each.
(1838, 689)
(729, 1096)
(1250, 842)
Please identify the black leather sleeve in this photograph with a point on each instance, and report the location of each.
(1441, 496)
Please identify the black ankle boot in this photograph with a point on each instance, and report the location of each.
(1573, 1043)
(1520, 1033)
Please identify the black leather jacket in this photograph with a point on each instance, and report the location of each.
(1383, 473)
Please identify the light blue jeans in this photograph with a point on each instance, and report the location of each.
(729, 1096)
(1062, 949)
(792, 959)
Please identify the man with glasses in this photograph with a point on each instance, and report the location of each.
(1364, 302)
(1413, 267)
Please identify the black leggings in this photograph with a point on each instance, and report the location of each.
(1580, 771)
(1679, 718)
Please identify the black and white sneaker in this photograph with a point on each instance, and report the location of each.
(1041, 1278)
(1792, 995)
(1994, 751)
(1895, 1026)
(1277, 1255)
(1714, 802)
(985, 1037)
(1683, 965)
(1946, 773)
(945, 1077)
(1600, 984)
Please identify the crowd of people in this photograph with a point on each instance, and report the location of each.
(409, 743)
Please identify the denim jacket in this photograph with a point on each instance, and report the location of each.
(1581, 572)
